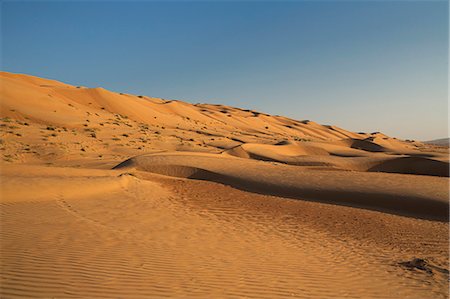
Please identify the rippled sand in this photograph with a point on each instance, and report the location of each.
(156, 236)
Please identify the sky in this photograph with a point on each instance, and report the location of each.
(362, 65)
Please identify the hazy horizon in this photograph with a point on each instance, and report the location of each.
(363, 66)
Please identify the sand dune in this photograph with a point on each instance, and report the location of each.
(338, 157)
(419, 196)
(284, 151)
(113, 195)
(439, 142)
(27, 96)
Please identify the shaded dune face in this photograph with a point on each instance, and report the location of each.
(366, 145)
(413, 165)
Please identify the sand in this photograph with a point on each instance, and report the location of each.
(107, 195)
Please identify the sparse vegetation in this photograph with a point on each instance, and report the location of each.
(296, 138)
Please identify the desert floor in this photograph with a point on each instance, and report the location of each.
(107, 195)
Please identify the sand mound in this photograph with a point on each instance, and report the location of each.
(376, 144)
(421, 196)
(285, 151)
(44, 183)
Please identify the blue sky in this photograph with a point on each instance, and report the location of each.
(362, 65)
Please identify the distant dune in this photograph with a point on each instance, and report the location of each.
(440, 142)
(107, 195)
